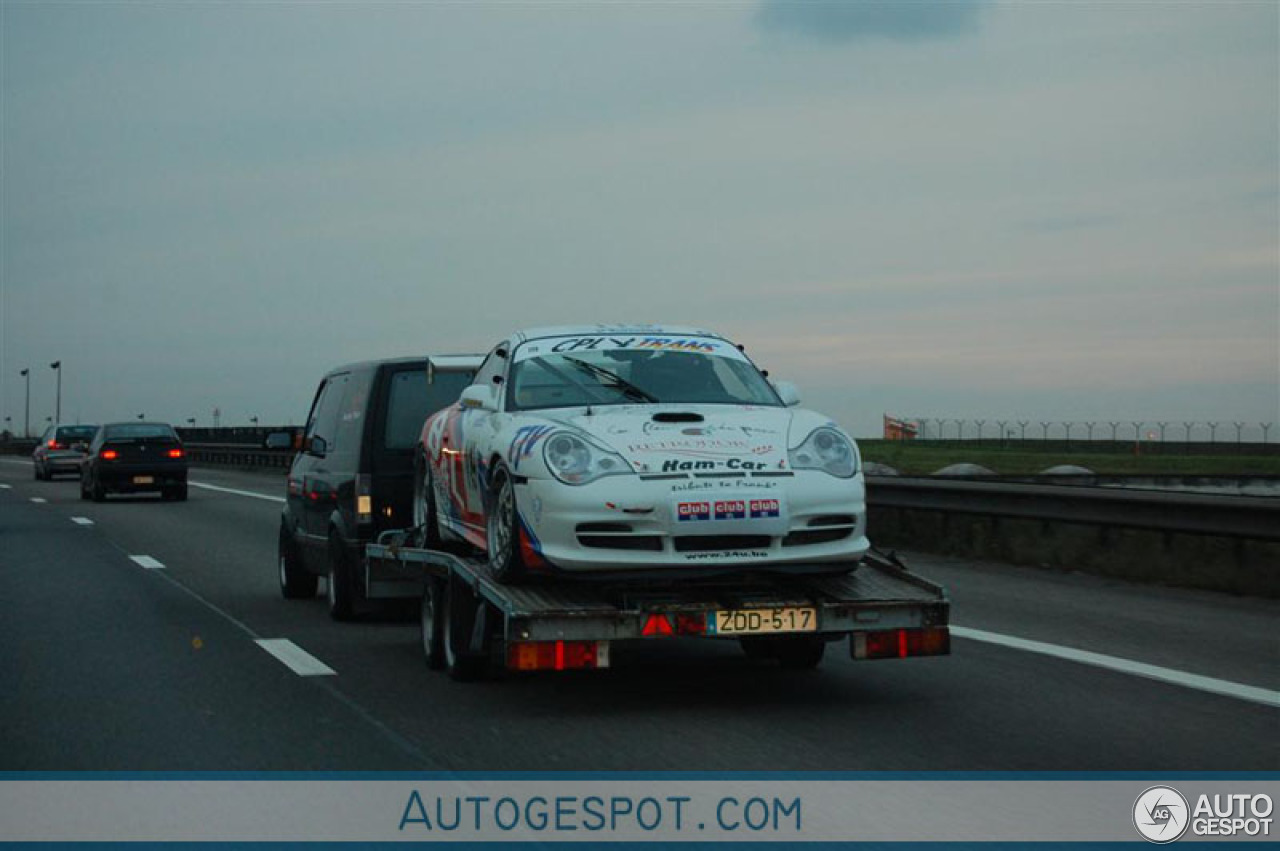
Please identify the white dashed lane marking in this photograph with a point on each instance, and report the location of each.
(5, 487)
(39, 499)
(295, 658)
(146, 561)
(82, 521)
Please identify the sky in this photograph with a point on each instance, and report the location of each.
(972, 210)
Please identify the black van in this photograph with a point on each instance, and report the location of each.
(353, 475)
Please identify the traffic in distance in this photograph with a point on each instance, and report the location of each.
(576, 487)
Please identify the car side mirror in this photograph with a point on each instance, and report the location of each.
(788, 393)
(279, 440)
(480, 397)
(317, 446)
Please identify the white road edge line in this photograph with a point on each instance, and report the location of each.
(295, 658)
(83, 521)
(39, 499)
(208, 487)
(146, 561)
(14, 462)
(1226, 688)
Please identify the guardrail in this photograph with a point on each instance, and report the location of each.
(239, 455)
(1210, 541)
(1257, 518)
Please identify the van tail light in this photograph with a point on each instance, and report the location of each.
(110, 455)
(364, 498)
(557, 655)
(901, 643)
(176, 453)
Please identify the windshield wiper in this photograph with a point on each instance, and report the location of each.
(613, 379)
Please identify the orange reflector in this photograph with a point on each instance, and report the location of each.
(901, 643)
(658, 625)
(557, 655)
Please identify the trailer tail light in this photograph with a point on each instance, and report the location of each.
(557, 655)
(901, 643)
(110, 455)
(175, 453)
(364, 498)
(657, 624)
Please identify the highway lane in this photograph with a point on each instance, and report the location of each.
(699, 705)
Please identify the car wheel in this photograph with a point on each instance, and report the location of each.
(295, 582)
(84, 491)
(426, 523)
(98, 492)
(800, 652)
(459, 620)
(180, 492)
(340, 584)
(502, 528)
(430, 619)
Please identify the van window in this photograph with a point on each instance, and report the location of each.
(412, 400)
(353, 411)
(324, 416)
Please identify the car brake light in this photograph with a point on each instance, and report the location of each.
(53, 444)
(901, 643)
(557, 655)
(175, 453)
(110, 455)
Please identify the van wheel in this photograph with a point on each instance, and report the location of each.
(800, 652)
(459, 619)
(295, 582)
(502, 527)
(426, 523)
(430, 620)
(340, 585)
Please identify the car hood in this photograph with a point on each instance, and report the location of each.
(690, 438)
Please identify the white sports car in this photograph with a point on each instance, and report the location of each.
(638, 448)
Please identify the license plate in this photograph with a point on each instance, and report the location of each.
(144, 480)
(763, 621)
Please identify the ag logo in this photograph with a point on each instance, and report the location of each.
(1160, 814)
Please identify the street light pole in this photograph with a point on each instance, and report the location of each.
(26, 422)
(56, 366)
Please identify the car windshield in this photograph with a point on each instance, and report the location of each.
(563, 372)
(140, 431)
(72, 434)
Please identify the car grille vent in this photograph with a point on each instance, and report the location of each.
(773, 474)
(808, 537)
(834, 520)
(719, 475)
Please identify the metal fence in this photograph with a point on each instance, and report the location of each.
(1155, 436)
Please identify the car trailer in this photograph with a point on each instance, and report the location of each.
(471, 623)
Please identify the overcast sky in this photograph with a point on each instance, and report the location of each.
(1031, 211)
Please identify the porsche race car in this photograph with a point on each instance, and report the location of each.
(644, 449)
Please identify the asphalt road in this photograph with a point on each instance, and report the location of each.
(107, 664)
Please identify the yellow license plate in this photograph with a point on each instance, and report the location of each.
(763, 621)
(144, 480)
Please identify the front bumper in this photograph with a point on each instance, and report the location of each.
(805, 520)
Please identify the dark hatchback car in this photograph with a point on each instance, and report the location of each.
(61, 449)
(353, 475)
(134, 458)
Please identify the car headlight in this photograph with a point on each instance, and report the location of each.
(574, 461)
(828, 450)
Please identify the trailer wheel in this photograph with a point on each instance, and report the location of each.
(758, 648)
(459, 619)
(430, 621)
(295, 582)
(502, 527)
(340, 585)
(800, 652)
